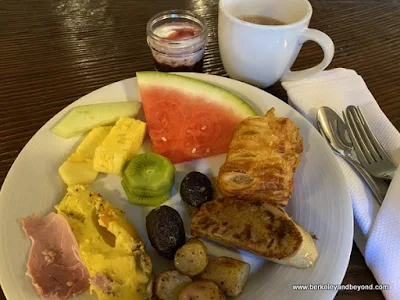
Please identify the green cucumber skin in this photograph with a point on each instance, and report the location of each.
(144, 201)
(200, 87)
(84, 118)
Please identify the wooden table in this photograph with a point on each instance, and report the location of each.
(53, 52)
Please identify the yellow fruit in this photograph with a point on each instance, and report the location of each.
(122, 143)
(109, 246)
(78, 168)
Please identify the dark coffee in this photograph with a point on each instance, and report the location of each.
(261, 20)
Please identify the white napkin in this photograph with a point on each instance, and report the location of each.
(377, 229)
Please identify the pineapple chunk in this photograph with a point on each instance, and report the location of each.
(122, 143)
(78, 168)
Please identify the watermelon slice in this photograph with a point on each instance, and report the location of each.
(187, 118)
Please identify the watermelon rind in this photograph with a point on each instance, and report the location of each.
(197, 88)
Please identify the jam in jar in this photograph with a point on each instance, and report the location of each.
(177, 39)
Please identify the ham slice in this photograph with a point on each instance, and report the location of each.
(101, 282)
(54, 263)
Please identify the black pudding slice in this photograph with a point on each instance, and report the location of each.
(196, 189)
(165, 230)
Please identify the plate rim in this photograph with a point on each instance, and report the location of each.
(202, 76)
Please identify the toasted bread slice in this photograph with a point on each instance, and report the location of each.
(258, 227)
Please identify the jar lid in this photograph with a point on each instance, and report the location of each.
(176, 30)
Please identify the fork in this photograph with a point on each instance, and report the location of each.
(368, 149)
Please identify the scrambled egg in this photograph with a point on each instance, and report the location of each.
(109, 246)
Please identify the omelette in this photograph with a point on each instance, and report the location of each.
(109, 246)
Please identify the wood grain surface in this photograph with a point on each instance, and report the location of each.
(53, 52)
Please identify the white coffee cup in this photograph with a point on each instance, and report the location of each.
(263, 54)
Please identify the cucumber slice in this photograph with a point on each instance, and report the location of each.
(149, 171)
(144, 200)
(147, 193)
(84, 118)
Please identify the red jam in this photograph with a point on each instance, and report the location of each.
(196, 67)
(177, 40)
(183, 33)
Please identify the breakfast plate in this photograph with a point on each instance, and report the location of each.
(320, 201)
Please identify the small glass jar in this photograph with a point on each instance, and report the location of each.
(177, 39)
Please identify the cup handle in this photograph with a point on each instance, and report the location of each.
(327, 46)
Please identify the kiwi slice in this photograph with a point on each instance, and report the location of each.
(139, 192)
(149, 171)
(144, 200)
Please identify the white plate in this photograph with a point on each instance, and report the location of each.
(320, 202)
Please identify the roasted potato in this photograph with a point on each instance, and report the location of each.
(169, 284)
(201, 290)
(228, 273)
(191, 259)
